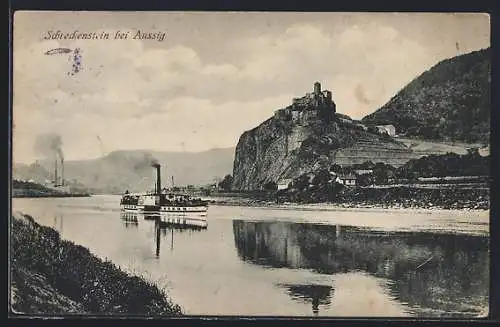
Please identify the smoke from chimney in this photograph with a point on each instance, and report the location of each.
(50, 146)
(144, 163)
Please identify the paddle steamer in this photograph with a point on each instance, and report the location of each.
(169, 207)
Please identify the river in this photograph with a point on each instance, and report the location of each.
(316, 261)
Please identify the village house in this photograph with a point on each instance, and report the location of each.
(360, 172)
(283, 184)
(387, 129)
(347, 179)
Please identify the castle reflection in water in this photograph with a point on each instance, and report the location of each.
(446, 273)
(431, 274)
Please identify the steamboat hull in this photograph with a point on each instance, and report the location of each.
(181, 211)
(169, 216)
(167, 219)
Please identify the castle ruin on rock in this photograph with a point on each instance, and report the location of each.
(315, 105)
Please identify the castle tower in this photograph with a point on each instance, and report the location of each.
(317, 88)
(328, 96)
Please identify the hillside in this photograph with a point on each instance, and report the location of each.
(278, 149)
(121, 170)
(450, 101)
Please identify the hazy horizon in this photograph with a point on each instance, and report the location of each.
(214, 75)
(127, 150)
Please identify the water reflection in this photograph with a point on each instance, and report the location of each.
(130, 219)
(432, 274)
(315, 294)
(160, 229)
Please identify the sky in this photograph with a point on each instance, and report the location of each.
(211, 76)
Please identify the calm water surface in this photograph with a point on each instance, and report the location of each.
(265, 261)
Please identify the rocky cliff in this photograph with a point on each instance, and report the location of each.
(280, 149)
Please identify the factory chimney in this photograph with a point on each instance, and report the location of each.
(62, 172)
(55, 172)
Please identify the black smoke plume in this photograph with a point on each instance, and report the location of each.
(50, 146)
(145, 162)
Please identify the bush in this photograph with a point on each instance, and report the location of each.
(450, 164)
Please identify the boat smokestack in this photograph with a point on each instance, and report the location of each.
(158, 177)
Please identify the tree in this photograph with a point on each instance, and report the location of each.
(216, 180)
(323, 161)
(365, 165)
(372, 129)
(321, 177)
(301, 182)
(226, 183)
(335, 168)
(382, 173)
(333, 189)
(473, 152)
(270, 186)
(365, 180)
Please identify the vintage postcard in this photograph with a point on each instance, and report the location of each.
(250, 164)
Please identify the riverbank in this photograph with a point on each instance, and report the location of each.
(36, 194)
(452, 198)
(328, 206)
(397, 197)
(54, 276)
(24, 189)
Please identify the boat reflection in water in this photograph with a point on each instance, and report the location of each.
(428, 274)
(130, 219)
(163, 226)
(166, 228)
(183, 221)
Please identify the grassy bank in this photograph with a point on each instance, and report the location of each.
(54, 276)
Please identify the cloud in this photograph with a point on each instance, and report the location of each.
(360, 95)
(132, 97)
(372, 56)
(138, 96)
(198, 123)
